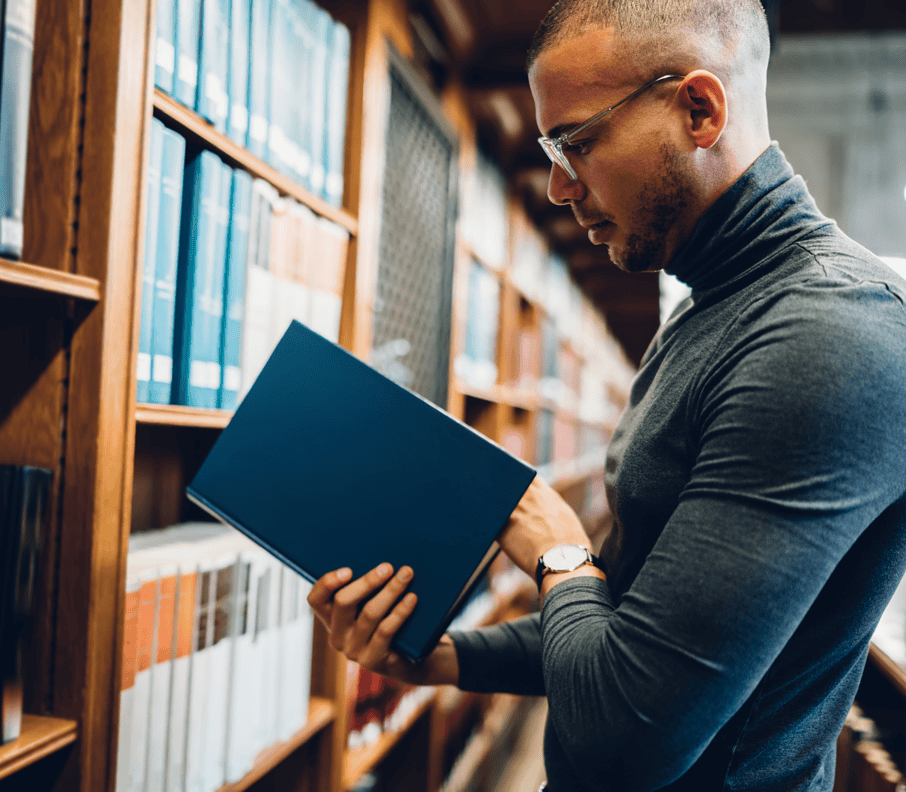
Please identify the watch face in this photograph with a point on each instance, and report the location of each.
(564, 558)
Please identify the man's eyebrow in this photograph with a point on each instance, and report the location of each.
(562, 129)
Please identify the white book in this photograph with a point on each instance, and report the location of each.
(219, 657)
(273, 641)
(296, 655)
(246, 667)
(127, 694)
(146, 577)
(260, 680)
(327, 280)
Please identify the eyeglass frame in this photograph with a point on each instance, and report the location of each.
(553, 147)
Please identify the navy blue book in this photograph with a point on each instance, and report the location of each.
(17, 38)
(327, 463)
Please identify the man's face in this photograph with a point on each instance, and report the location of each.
(632, 191)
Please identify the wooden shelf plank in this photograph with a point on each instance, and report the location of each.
(362, 760)
(320, 714)
(190, 121)
(40, 737)
(177, 415)
(893, 671)
(48, 281)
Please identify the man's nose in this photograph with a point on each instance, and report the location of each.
(561, 188)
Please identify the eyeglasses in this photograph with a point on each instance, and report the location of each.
(553, 147)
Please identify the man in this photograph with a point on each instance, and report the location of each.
(758, 475)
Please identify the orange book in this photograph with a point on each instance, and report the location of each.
(130, 631)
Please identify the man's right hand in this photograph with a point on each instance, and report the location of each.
(362, 616)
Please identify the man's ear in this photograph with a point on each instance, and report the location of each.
(704, 99)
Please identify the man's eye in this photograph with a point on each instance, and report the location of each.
(579, 147)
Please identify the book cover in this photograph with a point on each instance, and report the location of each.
(259, 78)
(240, 53)
(165, 45)
(167, 254)
(335, 120)
(149, 261)
(188, 30)
(327, 463)
(18, 44)
(214, 63)
(234, 290)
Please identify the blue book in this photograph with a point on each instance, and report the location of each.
(165, 49)
(188, 30)
(234, 290)
(18, 42)
(212, 100)
(259, 78)
(281, 78)
(337, 95)
(297, 157)
(149, 264)
(327, 463)
(199, 288)
(316, 132)
(240, 52)
(173, 160)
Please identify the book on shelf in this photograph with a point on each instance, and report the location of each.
(240, 65)
(24, 492)
(199, 693)
(188, 33)
(149, 260)
(327, 463)
(282, 85)
(315, 113)
(166, 252)
(17, 49)
(165, 45)
(212, 100)
(335, 115)
(477, 365)
(199, 289)
(259, 79)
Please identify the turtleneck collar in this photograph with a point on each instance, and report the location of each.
(768, 206)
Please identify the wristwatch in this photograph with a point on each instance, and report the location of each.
(562, 558)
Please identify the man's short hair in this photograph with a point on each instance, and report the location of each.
(738, 28)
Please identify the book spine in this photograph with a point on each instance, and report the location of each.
(214, 61)
(219, 671)
(144, 642)
(161, 676)
(149, 263)
(259, 79)
(260, 671)
(337, 96)
(165, 45)
(240, 53)
(317, 104)
(280, 79)
(273, 640)
(302, 54)
(167, 255)
(179, 689)
(15, 99)
(127, 689)
(330, 269)
(198, 287)
(234, 292)
(237, 710)
(188, 19)
(202, 636)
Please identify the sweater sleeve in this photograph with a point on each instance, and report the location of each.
(504, 658)
(800, 433)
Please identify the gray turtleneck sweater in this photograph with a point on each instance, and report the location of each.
(758, 485)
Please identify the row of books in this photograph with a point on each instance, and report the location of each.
(273, 75)
(484, 212)
(24, 492)
(216, 658)
(17, 39)
(228, 264)
(864, 762)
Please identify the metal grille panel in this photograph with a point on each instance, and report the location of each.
(412, 313)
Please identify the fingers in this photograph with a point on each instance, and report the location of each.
(377, 649)
(362, 605)
(321, 596)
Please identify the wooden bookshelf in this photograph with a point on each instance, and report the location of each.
(42, 280)
(40, 737)
(177, 415)
(892, 671)
(321, 714)
(193, 125)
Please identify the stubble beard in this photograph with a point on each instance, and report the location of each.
(661, 201)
